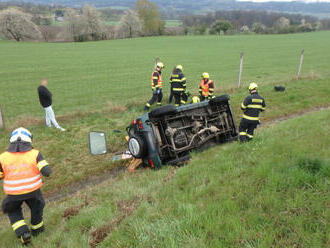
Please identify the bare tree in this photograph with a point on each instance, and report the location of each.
(258, 28)
(87, 26)
(281, 23)
(17, 25)
(130, 25)
(76, 26)
(92, 18)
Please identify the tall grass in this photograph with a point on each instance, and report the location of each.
(271, 192)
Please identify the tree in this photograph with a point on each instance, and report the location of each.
(87, 26)
(244, 29)
(281, 23)
(258, 28)
(150, 17)
(130, 25)
(219, 26)
(93, 21)
(76, 26)
(17, 25)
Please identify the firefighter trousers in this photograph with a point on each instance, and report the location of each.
(171, 96)
(156, 98)
(204, 98)
(13, 208)
(179, 98)
(246, 129)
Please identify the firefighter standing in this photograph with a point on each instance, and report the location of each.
(21, 167)
(252, 106)
(178, 86)
(156, 86)
(206, 87)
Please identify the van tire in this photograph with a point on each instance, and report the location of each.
(161, 111)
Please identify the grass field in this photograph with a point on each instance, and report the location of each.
(94, 101)
(104, 85)
(273, 192)
(89, 76)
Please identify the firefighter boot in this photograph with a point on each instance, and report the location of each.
(25, 238)
(36, 232)
(147, 107)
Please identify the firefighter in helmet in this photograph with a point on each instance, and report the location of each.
(178, 86)
(206, 87)
(156, 86)
(252, 106)
(195, 99)
(21, 168)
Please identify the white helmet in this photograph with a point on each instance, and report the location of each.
(20, 134)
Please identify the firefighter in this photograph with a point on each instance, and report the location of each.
(178, 86)
(156, 86)
(252, 106)
(195, 99)
(206, 87)
(21, 167)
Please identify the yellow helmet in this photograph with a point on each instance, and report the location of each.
(195, 99)
(253, 86)
(180, 67)
(205, 75)
(160, 65)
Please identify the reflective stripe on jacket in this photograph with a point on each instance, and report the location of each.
(156, 80)
(206, 89)
(178, 81)
(21, 172)
(252, 106)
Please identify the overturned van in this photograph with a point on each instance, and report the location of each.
(168, 134)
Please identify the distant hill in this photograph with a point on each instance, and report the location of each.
(321, 9)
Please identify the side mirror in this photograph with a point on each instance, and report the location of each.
(97, 143)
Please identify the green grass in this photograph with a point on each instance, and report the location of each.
(104, 85)
(272, 192)
(90, 104)
(112, 23)
(173, 23)
(89, 76)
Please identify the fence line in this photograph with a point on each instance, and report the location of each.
(240, 69)
(300, 63)
(2, 123)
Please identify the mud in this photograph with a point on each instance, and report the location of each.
(294, 115)
(125, 208)
(91, 181)
(73, 211)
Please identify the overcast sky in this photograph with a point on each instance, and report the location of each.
(306, 1)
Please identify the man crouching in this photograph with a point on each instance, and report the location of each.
(21, 167)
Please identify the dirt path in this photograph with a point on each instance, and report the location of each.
(295, 115)
(115, 172)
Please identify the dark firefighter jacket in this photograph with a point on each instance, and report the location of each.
(178, 81)
(252, 106)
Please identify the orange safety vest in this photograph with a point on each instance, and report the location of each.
(159, 78)
(21, 174)
(205, 87)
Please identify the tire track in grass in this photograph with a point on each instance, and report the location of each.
(115, 172)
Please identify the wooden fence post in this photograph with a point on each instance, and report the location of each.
(300, 64)
(240, 69)
(2, 123)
